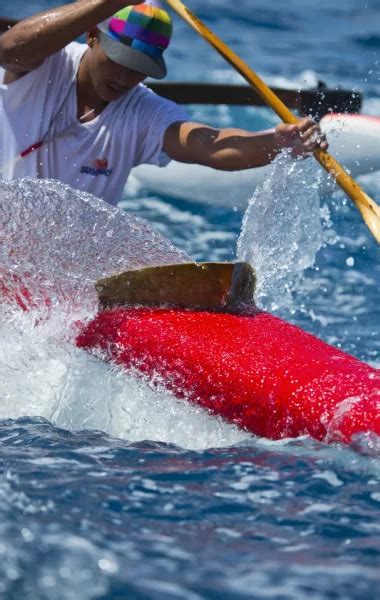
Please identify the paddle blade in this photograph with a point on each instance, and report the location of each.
(205, 286)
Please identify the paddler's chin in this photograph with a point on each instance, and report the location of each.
(110, 80)
(109, 94)
(110, 91)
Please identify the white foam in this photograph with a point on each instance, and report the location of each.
(64, 241)
(42, 373)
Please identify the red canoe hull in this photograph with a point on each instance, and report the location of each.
(256, 371)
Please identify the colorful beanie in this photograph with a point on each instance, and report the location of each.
(136, 37)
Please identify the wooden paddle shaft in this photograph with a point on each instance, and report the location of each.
(367, 207)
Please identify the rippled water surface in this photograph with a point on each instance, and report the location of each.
(112, 489)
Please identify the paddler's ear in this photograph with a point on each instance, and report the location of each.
(92, 37)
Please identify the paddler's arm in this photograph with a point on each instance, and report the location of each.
(26, 45)
(236, 149)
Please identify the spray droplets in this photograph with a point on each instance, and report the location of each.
(282, 230)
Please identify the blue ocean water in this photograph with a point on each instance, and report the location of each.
(109, 489)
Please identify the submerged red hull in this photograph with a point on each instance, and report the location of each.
(257, 371)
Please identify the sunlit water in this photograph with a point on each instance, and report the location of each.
(112, 489)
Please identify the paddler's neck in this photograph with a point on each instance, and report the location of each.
(89, 103)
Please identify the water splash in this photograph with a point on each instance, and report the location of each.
(43, 374)
(282, 232)
(56, 243)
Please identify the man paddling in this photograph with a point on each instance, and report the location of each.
(79, 113)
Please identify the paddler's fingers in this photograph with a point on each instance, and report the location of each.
(303, 138)
(311, 135)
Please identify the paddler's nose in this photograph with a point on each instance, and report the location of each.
(128, 78)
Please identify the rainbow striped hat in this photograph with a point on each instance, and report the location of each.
(136, 37)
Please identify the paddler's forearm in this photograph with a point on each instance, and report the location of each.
(32, 40)
(236, 149)
(227, 149)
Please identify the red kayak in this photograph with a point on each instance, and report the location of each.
(254, 370)
(257, 371)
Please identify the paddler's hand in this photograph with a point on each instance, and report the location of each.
(303, 138)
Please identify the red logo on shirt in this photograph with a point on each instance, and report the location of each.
(99, 167)
(100, 163)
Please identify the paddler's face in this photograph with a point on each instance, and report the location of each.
(110, 80)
